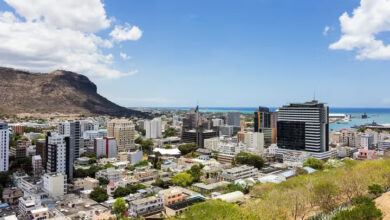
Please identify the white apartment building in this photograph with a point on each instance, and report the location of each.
(56, 153)
(254, 140)
(27, 204)
(54, 184)
(111, 174)
(4, 147)
(105, 146)
(366, 141)
(92, 134)
(211, 143)
(153, 128)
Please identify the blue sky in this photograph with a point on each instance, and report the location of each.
(239, 53)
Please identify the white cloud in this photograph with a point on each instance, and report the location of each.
(46, 35)
(325, 31)
(359, 30)
(123, 33)
(125, 56)
(85, 15)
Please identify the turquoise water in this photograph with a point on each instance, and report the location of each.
(379, 115)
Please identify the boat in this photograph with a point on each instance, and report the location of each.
(343, 121)
(364, 116)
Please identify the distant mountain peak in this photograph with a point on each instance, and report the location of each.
(60, 91)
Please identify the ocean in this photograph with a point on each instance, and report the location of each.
(378, 115)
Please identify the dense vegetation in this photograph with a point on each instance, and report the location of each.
(305, 195)
(249, 159)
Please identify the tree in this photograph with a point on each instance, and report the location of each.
(324, 193)
(187, 148)
(88, 154)
(314, 163)
(103, 181)
(168, 146)
(364, 210)
(300, 171)
(146, 146)
(182, 179)
(213, 209)
(108, 165)
(195, 172)
(138, 140)
(250, 159)
(119, 206)
(169, 132)
(99, 195)
(375, 189)
(143, 132)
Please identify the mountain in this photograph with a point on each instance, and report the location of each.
(56, 92)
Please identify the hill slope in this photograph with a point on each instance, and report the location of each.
(59, 91)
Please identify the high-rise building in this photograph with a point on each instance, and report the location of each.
(191, 120)
(197, 136)
(72, 129)
(153, 128)
(40, 149)
(37, 165)
(303, 126)
(217, 122)
(59, 155)
(262, 119)
(4, 147)
(124, 133)
(105, 146)
(234, 118)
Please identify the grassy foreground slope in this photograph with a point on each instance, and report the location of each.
(301, 196)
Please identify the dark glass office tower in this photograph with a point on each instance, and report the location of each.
(303, 126)
(262, 119)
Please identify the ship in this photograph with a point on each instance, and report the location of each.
(364, 116)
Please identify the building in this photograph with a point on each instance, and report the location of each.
(178, 208)
(384, 145)
(4, 147)
(262, 119)
(254, 140)
(90, 183)
(303, 126)
(147, 206)
(153, 128)
(18, 151)
(217, 122)
(26, 204)
(124, 133)
(18, 129)
(37, 165)
(59, 155)
(197, 136)
(226, 130)
(92, 134)
(40, 149)
(171, 195)
(54, 184)
(225, 158)
(105, 146)
(72, 129)
(12, 195)
(209, 188)
(39, 213)
(366, 142)
(234, 118)
(241, 172)
(111, 174)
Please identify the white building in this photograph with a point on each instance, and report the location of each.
(240, 172)
(111, 174)
(146, 206)
(254, 140)
(217, 122)
(56, 153)
(4, 147)
(27, 204)
(153, 128)
(366, 141)
(211, 143)
(54, 184)
(92, 134)
(135, 156)
(105, 146)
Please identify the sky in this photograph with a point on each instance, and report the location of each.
(218, 53)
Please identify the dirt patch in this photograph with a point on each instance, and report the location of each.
(383, 203)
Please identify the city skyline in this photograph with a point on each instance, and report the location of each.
(216, 53)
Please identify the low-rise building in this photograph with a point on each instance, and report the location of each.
(39, 213)
(147, 206)
(12, 195)
(177, 208)
(240, 172)
(90, 183)
(111, 174)
(209, 188)
(171, 195)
